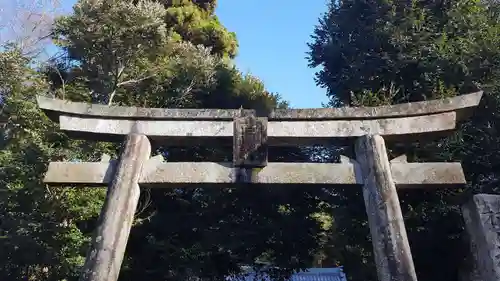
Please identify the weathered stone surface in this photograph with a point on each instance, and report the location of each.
(391, 127)
(153, 129)
(56, 107)
(274, 173)
(250, 142)
(390, 242)
(82, 173)
(109, 241)
(278, 132)
(400, 159)
(415, 175)
(105, 158)
(172, 173)
(459, 104)
(158, 173)
(482, 221)
(344, 159)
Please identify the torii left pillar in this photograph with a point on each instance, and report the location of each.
(105, 256)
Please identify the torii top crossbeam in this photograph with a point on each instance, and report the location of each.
(284, 126)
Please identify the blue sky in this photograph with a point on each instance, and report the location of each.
(273, 36)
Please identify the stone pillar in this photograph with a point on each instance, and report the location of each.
(482, 222)
(390, 242)
(108, 244)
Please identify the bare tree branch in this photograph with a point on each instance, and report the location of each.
(134, 81)
(27, 24)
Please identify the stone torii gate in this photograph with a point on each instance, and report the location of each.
(251, 136)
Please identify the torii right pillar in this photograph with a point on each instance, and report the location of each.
(390, 242)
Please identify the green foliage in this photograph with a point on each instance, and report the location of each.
(152, 54)
(419, 49)
(207, 5)
(384, 52)
(201, 27)
(109, 38)
(123, 46)
(40, 237)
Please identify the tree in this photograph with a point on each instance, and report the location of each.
(384, 52)
(152, 54)
(40, 233)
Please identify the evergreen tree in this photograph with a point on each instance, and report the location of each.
(148, 54)
(384, 52)
(42, 229)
